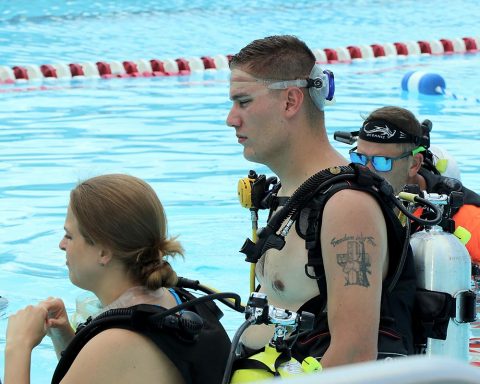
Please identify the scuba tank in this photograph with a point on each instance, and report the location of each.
(443, 264)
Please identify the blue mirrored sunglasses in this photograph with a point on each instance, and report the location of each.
(380, 163)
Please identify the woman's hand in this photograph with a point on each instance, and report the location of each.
(57, 324)
(57, 318)
(27, 327)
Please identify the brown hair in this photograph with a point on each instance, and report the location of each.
(123, 213)
(276, 58)
(281, 57)
(402, 118)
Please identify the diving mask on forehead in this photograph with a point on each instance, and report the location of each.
(320, 84)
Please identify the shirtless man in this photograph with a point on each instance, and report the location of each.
(279, 120)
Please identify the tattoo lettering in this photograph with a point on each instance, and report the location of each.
(336, 242)
(368, 239)
(356, 262)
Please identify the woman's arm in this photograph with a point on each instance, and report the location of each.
(25, 330)
(17, 365)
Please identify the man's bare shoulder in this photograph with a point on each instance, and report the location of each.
(353, 212)
(355, 199)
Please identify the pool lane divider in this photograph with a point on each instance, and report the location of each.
(185, 66)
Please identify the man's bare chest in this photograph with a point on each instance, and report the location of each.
(282, 273)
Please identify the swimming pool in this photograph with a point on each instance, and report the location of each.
(171, 131)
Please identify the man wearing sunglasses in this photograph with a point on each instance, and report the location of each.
(393, 143)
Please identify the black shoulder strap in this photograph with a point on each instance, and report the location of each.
(268, 237)
(364, 182)
(312, 241)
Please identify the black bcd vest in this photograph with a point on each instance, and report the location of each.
(398, 292)
(198, 346)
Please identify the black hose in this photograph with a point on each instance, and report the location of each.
(195, 285)
(429, 222)
(305, 191)
(436, 220)
(233, 351)
(403, 257)
(198, 300)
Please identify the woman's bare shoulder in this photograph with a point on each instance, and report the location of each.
(121, 356)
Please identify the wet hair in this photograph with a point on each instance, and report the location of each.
(400, 117)
(281, 57)
(123, 213)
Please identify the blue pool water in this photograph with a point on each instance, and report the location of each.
(171, 131)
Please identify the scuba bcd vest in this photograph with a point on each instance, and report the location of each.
(190, 335)
(305, 209)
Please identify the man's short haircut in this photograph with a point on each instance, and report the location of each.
(282, 57)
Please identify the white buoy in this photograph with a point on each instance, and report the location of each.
(423, 82)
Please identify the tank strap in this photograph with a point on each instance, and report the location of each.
(433, 311)
(314, 251)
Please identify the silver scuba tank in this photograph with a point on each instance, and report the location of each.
(443, 264)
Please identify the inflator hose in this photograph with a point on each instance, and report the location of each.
(231, 300)
(233, 351)
(417, 199)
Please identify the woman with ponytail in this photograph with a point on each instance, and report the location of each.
(116, 244)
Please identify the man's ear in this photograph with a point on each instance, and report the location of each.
(415, 165)
(294, 100)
